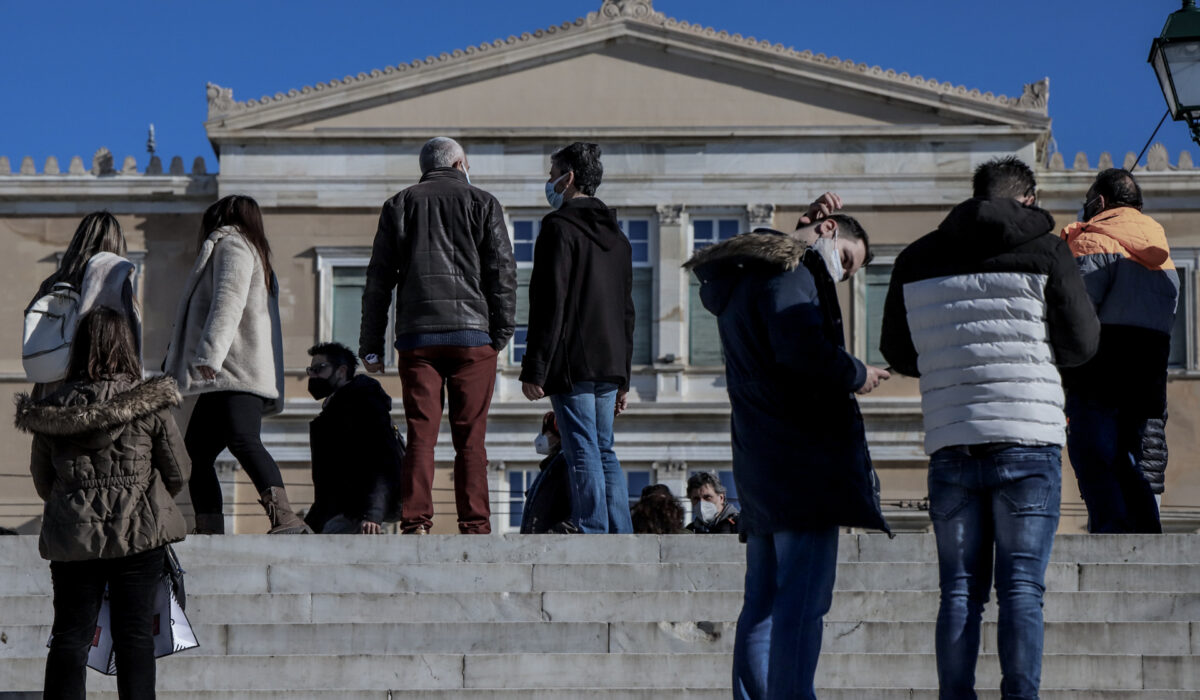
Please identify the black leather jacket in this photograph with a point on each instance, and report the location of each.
(444, 244)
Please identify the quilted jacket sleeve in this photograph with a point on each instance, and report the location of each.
(498, 277)
(169, 455)
(383, 274)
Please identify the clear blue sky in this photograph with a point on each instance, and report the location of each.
(80, 75)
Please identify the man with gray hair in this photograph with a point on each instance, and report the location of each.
(443, 246)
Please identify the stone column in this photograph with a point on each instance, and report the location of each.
(227, 468)
(760, 215)
(498, 494)
(672, 301)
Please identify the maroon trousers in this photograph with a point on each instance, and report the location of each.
(465, 378)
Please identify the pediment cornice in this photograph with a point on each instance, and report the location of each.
(636, 20)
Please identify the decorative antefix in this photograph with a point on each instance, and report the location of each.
(102, 163)
(640, 9)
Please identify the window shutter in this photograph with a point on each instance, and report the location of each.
(348, 286)
(878, 278)
(643, 305)
(704, 339)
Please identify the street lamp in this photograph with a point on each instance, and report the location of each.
(1175, 55)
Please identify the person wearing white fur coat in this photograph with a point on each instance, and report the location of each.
(226, 348)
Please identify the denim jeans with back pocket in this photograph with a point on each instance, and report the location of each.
(1001, 506)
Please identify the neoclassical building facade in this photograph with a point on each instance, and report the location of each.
(705, 135)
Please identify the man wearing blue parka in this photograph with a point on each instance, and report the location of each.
(800, 458)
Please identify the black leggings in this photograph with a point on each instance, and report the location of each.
(230, 419)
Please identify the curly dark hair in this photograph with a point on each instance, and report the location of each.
(583, 159)
(338, 355)
(657, 512)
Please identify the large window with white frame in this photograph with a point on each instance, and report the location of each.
(640, 234)
(341, 279)
(704, 340)
(524, 233)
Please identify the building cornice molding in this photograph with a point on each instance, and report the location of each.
(618, 19)
(630, 134)
(116, 187)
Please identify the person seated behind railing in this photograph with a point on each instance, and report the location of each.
(657, 512)
(712, 514)
(356, 450)
(548, 500)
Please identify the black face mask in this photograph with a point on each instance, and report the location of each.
(319, 387)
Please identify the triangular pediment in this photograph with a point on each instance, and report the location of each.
(625, 67)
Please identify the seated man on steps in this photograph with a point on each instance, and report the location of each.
(712, 515)
(356, 451)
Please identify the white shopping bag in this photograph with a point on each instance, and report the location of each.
(172, 631)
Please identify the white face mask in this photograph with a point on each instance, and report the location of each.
(541, 444)
(708, 511)
(827, 248)
(555, 199)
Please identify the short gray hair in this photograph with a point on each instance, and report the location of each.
(699, 480)
(440, 152)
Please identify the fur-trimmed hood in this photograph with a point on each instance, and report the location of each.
(764, 245)
(83, 408)
(721, 266)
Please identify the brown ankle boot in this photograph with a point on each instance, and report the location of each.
(283, 520)
(209, 524)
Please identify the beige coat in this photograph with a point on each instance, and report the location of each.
(226, 320)
(107, 460)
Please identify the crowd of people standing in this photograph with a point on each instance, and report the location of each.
(1011, 329)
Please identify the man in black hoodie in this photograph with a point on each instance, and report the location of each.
(356, 450)
(579, 345)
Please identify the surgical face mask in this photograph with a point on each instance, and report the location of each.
(319, 387)
(541, 444)
(827, 248)
(1086, 213)
(555, 198)
(708, 511)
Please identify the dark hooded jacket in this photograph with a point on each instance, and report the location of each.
(800, 458)
(580, 300)
(356, 455)
(107, 460)
(443, 246)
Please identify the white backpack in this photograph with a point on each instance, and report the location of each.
(49, 328)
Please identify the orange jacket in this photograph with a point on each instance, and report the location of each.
(1124, 231)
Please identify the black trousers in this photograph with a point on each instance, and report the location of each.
(78, 592)
(230, 419)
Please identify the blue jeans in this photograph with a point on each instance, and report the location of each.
(599, 492)
(1006, 501)
(789, 588)
(1105, 444)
